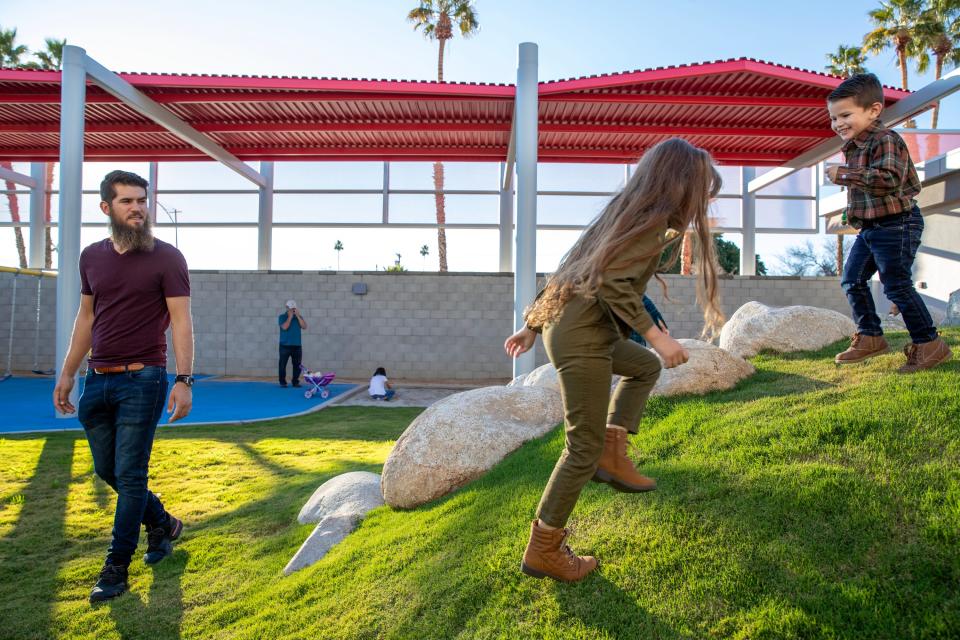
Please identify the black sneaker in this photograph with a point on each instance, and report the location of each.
(112, 583)
(296, 383)
(283, 384)
(160, 540)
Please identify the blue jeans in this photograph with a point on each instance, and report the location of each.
(887, 246)
(119, 414)
(390, 394)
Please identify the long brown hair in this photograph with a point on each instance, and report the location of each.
(671, 187)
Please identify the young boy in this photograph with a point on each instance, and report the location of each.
(881, 186)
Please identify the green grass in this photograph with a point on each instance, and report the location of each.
(808, 502)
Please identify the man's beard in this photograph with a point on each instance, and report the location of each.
(132, 238)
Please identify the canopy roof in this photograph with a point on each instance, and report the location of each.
(744, 111)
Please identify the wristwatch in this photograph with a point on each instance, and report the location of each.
(185, 379)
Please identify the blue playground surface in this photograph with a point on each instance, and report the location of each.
(26, 403)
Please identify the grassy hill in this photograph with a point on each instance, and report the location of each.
(808, 502)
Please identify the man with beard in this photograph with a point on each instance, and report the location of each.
(133, 286)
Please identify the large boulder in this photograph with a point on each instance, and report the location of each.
(544, 376)
(355, 493)
(755, 327)
(337, 506)
(709, 368)
(461, 437)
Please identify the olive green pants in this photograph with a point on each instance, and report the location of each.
(586, 348)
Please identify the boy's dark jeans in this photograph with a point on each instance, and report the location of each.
(119, 414)
(288, 351)
(887, 246)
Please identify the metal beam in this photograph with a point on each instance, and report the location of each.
(526, 119)
(138, 101)
(265, 219)
(227, 96)
(748, 224)
(38, 236)
(506, 220)
(433, 127)
(17, 178)
(73, 89)
(910, 106)
(152, 191)
(385, 215)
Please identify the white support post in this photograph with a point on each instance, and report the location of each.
(73, 91)
(748, 221)
(506, 220)
(265, 219)
(152, 192)
(38, 236)
(386, 192)
(526, 126)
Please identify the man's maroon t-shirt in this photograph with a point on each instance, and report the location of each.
(130, 316)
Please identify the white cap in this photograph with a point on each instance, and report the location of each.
(291, 304)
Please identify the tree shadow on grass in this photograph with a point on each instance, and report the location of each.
(605, 607)
(160, 616)
(830, 544)
(35, 549)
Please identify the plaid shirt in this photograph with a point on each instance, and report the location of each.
(879, 174)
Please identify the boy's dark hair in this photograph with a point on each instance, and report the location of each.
(108, 189)
(864, 88)
(380, 372)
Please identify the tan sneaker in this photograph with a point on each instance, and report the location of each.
(925, 356)
(862, 347)
(548, 556)
(616, 469)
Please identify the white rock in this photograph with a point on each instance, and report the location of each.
(461, 437)
(337, 506)
(756, 326)
(518, 381)
(354, 493)
(328, 532)
(544, 376)
(709, 368)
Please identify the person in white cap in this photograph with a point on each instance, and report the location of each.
(290, 344)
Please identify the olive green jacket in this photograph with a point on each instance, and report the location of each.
(622, 289)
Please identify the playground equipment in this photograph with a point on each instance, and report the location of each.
(17, 275)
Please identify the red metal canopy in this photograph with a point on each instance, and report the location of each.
(744, 111)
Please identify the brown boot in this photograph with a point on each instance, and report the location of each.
(617, 469)
(861, 348)
(926, 355)
(548, 556)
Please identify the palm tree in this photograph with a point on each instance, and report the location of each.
(50, 59)
(846, 62)
(938, 32)
(436, 18)
(10, 54)
(424, 251)
(896, 24)
(338, 247)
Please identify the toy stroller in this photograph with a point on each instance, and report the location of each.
(319, 382)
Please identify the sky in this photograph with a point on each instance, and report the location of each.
(371, 39)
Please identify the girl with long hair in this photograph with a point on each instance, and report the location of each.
(586, 312)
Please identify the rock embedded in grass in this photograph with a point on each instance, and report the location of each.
(755, 327)
(337, 506)
(356, 492)
(461, 437)
(709, 368)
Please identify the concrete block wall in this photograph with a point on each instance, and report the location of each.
(26, 347)
(416, 325)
